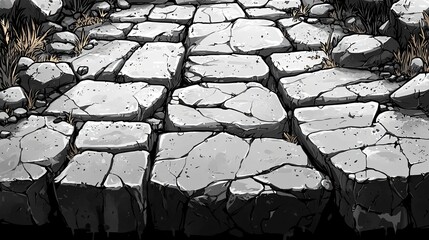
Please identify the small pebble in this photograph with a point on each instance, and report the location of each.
(82, 70)
(385, 74)
(40, 96)
(12, 119)
(20, 112)
(392, 78)
(5, 134)
(88, 47)
(40, 103)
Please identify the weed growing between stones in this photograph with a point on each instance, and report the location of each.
(328, 62)
(418, 47)
(81, 42)
(79, 6)
(87, 20)
(302, 11)
(372, 17)
(31, 98)
(18, 41)
(290, 138)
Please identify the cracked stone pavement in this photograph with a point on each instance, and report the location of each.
(182, 117)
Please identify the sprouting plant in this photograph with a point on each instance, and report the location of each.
(290, 138)
(81, 42)
(31, 98)
(69, 117)
(49, 58)
(302, 11)
(327, 47)
(87, 20)
(72, 150)
(418, 47)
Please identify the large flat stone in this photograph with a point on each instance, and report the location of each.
(226, 68)
(294, 63)
(216, 13)
(165, 59)
(135, 14)
(245, 36)
(305, 36)
(105, 62)
(95, 100)
(157, 32)
(247, 110)
(207, 183)
(334, 86)
(99, 190)
(181, 14)
(115, 137)
(34, 147)
(414, 94)
(266, 13)
(110, 31)
(375, 159)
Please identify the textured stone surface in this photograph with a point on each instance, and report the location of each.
(165, 59)
(181, 14)
(405, 19)
(248, 110)
(226, 68)
(334, 86)
(135, 14)
(46, 77)
(202, 183)
(110, 31)
(364, 51)
(248, 36)
(266, 13)
(99, 190)
(305, 36)
(215, 13)
(288, 5)
(376, 154)
(114, 137)
(13, 97)
(105, 61)
(33, 147)
(157, 32)
(414, 94)
(294, 63)
(41, 10)
(94, 100)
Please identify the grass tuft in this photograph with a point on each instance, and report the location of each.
(290, 138)
(81, 42)
(87, 20)
(31, 98)
(418, 46)
(302, 11)
(80, 6)
(16, 42)
(327, 48)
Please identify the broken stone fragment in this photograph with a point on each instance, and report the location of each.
(222, 197)
(216, 13)
(98, 190)
(28, 150)
(46, 77)
(246, 36)
(364, 51)
(166, 60)
(242, 109)
(106, 101)
(181, 14)
(13, 97)
(414, 94)
(115, 137)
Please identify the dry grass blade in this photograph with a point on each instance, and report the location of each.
(29, 42)
(49, 58)
(290, 138)
(31, 98)
(418, 47)
(86, 20)
(81, 42)
(302, 11)
(327, 48)
(72, 150)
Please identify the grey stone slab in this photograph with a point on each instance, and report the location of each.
(135, 14)
(95, 100)
(157, 32)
